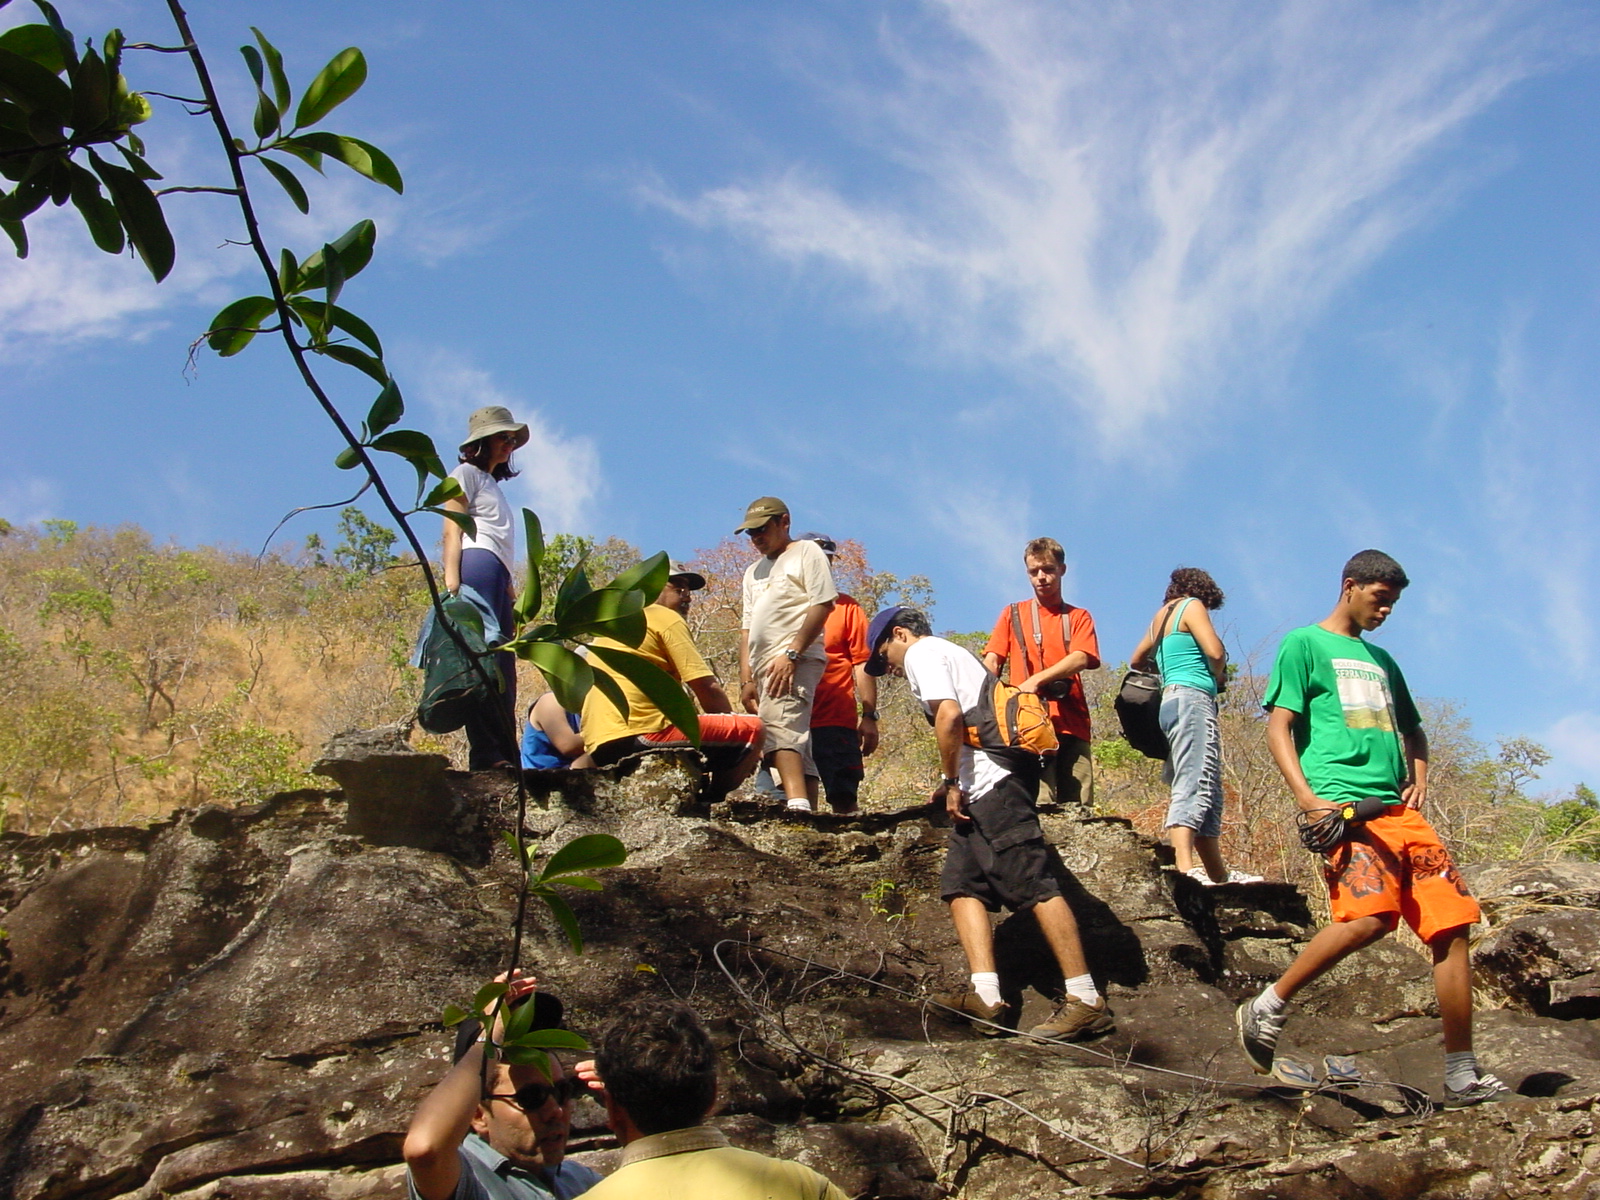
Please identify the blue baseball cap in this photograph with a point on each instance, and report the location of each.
(876, 632)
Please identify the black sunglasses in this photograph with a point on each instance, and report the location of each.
(531, 1097)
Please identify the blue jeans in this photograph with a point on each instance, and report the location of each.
(1194, 769)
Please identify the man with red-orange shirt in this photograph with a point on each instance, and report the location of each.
(1048, 642)
(839, 739)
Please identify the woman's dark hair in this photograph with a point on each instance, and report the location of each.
(658, 1063)
(1374, 566)
(1192, 581)
(477, 453)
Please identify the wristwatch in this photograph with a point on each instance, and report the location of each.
(869, 714)
(953, 781)
(792, 655)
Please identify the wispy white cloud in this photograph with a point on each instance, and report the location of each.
(1575, 743)
(1123, 200)
(560, 475)
(27, 500)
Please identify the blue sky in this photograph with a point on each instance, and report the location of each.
(1242, 286)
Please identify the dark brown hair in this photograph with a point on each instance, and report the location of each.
(658, 1064)
(1192, 581)
(477, 453)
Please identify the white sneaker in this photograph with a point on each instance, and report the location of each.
(1235, 876)
(799, 806)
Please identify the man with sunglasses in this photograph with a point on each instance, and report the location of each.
(787, 595)
(500, 1138)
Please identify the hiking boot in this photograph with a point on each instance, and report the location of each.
(1258, 1035)
(964, 1006)
(1487, 1090)
(1073, 1020)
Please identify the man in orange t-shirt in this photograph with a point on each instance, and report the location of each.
(839, 739)
(1048, 642)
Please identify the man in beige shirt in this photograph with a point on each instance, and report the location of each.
(656, 1071)
(787, 595)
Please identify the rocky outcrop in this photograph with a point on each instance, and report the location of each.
(244, 1003)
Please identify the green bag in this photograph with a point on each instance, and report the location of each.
(452, 687)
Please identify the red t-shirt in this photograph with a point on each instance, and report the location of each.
(1069, 715)
(844, 639)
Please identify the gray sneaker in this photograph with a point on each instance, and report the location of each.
(1258, 1035)
(1487, 1090)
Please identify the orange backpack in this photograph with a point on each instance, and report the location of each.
(1008, 719)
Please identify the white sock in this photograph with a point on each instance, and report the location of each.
(987, 985)
(1460, 1070)
(1082, 987)
(1269, 1003)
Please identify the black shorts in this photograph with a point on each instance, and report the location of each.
(1000, 856)
(836, 749)
(718, 757)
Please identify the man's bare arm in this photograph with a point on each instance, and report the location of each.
(710, 694)
(948, 727)
(1065, 669)
(433, 1141)
(1415, 792)
(780, 670)
(867, 697)
(1280, 741)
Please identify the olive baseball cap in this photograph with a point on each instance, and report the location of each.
(762, 510)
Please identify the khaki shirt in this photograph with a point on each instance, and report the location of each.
(699, 1164)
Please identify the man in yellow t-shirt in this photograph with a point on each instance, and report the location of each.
(731, 743)
(655, 1070)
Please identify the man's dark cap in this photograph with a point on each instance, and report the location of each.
(548, 1013)
(876, 633)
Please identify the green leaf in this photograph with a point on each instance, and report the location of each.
(252, 60)
(487, 995)
(453, 1015)
(98, 213)
(355, 252)
(25, 198)
(529, 603)
(266, 117)
(573, 588)
(35, 88)
(141, 216)
(69, 50)
(347, 458)
(91, 93)
(519, 850)
(361, 157)
(18, 233)
(527, 1056)
(292, 146)
(582, 882)
(385, 411)
(37, 43)
(332, 272)
(604, 612)
(552, 1039)
(313, 314)
(407, 443)
(447, 489)
(612, 691)
(662, 690)
(516, 1022)
(233, 328)
(649, 577)
(136, 164)
(358, 359)
(467, 524)
(280, 81)
(566, 918)
(568, 675)
(592, 852)
(334, 84)
(288, 272)
(357, 328)
(288, 182)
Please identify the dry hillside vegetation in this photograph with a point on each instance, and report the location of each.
(136, 677)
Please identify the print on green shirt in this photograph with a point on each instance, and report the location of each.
(1352, 708)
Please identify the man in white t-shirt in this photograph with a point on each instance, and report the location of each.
(997, 852)
(788, 593)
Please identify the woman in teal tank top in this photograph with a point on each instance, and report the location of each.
(1183, 645)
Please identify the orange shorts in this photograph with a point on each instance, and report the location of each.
(1396, 864)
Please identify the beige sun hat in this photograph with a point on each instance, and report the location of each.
(492, 419)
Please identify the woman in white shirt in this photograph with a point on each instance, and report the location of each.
(484, 562)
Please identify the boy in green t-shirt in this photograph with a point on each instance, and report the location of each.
(1343, 728)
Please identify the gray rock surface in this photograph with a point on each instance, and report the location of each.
(244, 1003)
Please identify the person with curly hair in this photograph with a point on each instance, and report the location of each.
(1183, 645)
